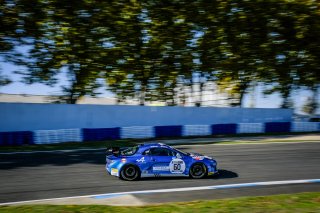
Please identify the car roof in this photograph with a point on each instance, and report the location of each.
(153, 145)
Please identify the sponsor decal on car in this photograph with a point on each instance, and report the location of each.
(160, 168)
(198, 157)
(114, 171)
(177, 166)
(141, 160)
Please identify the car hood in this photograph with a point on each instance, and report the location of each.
(198, 156)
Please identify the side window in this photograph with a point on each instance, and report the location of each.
(161, 152)
(146, 152)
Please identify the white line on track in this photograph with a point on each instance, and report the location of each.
(227, 186)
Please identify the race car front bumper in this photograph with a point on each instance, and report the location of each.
(213, 170)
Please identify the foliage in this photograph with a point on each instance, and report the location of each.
(4, 80)
(158, 50)
(310, 106)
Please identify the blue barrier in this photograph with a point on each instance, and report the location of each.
(101, 134)
(168, 131)
(194, 130)
(16, 138)
(223, 129)
(304, 127)
(57, 136)
(98, 134)
(137, 132)
(277, 127)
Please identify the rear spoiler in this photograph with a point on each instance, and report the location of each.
(115, 150)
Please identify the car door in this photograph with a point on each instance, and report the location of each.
(160, 159)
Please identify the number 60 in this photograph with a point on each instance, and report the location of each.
(176, 166)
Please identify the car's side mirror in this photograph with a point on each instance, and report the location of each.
(147, 152)
(178, 155)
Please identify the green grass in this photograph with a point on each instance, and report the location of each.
(132, 142)
(301, 202)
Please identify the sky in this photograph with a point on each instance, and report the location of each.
(17, 87)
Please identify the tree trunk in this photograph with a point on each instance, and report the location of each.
(314, 99)
(242, 93)
(286, 103)
(142, 97)
(200, 102)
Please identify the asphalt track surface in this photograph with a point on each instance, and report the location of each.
(63, 174)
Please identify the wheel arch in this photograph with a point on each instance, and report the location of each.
(198, 162)
(130, 164)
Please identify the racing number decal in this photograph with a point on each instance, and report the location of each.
(177, 166)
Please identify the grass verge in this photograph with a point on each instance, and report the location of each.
(301, 202)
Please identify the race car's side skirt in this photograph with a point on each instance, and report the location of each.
(162, 175)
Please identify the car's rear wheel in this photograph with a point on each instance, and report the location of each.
(130, 172)
(198, 170)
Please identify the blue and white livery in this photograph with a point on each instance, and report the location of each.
(157, 160)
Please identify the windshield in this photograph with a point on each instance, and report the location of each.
(184, 153)
(129, 151)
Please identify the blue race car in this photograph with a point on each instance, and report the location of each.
(157, 160)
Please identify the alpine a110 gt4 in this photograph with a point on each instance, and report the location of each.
(157, 160)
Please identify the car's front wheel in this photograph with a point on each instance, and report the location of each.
(130, 172)
(198, 170)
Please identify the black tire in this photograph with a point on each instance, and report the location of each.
(130, 172)
(198, 170)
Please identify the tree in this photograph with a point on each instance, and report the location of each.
(4, 80)
(14, 28)
(232, 48)
(75, 38)
(156, 50)
(310, 106)
(294, 48)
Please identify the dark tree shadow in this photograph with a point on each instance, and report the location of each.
(52, 159)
